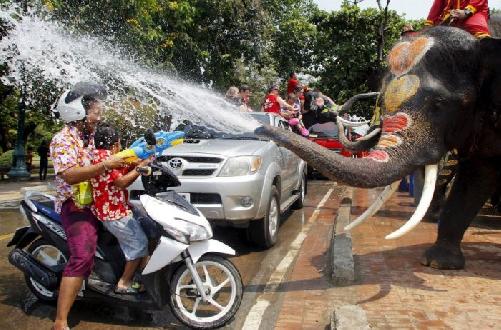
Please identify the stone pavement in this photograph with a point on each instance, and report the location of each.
(391, 286)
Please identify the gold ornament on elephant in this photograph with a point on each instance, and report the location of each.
(400, 90)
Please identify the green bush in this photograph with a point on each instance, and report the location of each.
(6, 159)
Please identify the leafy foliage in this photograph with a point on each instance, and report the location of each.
(347, 49)
(6, 159)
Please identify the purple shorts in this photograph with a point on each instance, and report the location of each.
(81, 227)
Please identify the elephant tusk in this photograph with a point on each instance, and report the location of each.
(380, 200)
(348, 123)
(430, 178)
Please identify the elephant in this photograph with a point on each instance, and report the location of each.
(442, 92)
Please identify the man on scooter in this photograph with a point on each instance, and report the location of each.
(70, 150)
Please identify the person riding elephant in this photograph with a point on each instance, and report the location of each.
(470, 15)
(442, 93)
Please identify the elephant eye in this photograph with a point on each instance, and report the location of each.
(439, 101)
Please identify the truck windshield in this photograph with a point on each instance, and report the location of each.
(198, 132)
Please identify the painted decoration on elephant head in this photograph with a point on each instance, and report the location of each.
(399, 90)
(389, 138)
(396, 123)
(405, 55)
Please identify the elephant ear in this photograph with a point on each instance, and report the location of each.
(490, 78)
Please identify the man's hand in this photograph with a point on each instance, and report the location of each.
(459, 13)
(145, 162)
(114, 162)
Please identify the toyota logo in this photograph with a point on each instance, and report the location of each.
(176, 164)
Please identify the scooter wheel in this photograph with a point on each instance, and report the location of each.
(49, 255)
(222, 284)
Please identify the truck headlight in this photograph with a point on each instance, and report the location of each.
(242, 165)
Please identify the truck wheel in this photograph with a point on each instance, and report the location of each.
(264, 232)
(303, 190)
(310, 171)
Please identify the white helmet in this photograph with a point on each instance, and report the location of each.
(70, 107)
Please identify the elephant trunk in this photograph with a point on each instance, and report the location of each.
(393, 158)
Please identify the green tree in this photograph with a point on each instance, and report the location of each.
(347, 49)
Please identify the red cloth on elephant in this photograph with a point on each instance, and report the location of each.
(475, 24)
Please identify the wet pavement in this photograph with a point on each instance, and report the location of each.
(19, 309)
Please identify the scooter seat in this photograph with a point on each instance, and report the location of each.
(48, 211)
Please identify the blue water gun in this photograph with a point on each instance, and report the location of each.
(150, 144)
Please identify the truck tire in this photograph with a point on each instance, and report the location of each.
(264, 232)
(303, 190)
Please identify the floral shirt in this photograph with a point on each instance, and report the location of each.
(110, 202)
(66, 151)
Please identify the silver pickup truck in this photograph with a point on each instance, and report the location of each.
(239, 179)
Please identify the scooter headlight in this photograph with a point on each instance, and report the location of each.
(187, 232)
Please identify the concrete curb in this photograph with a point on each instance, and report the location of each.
(341, 255)
(349, 317)
(346, 317)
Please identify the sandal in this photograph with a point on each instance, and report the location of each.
(127, 290)
(137, 283)
(138, 286)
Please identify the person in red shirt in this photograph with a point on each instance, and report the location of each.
(292, 83)
(110, 207)
(470, 15)
(273, 102)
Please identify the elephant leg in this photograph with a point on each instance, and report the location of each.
(475, 181)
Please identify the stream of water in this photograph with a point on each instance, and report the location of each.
(47, 48)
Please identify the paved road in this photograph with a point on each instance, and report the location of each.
(18, 309)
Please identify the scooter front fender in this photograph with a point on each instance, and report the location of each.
(166, 251)
(198, 249)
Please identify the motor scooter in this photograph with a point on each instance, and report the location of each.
(187, 269)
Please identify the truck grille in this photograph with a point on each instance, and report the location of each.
(195, 172)
(193, 159)
(205, 198)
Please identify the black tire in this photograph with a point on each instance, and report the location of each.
(228, 316)
(303, 190)
(42, 293)
(264, 232)
(310, 172)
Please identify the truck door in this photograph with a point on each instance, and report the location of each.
(289, 180)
